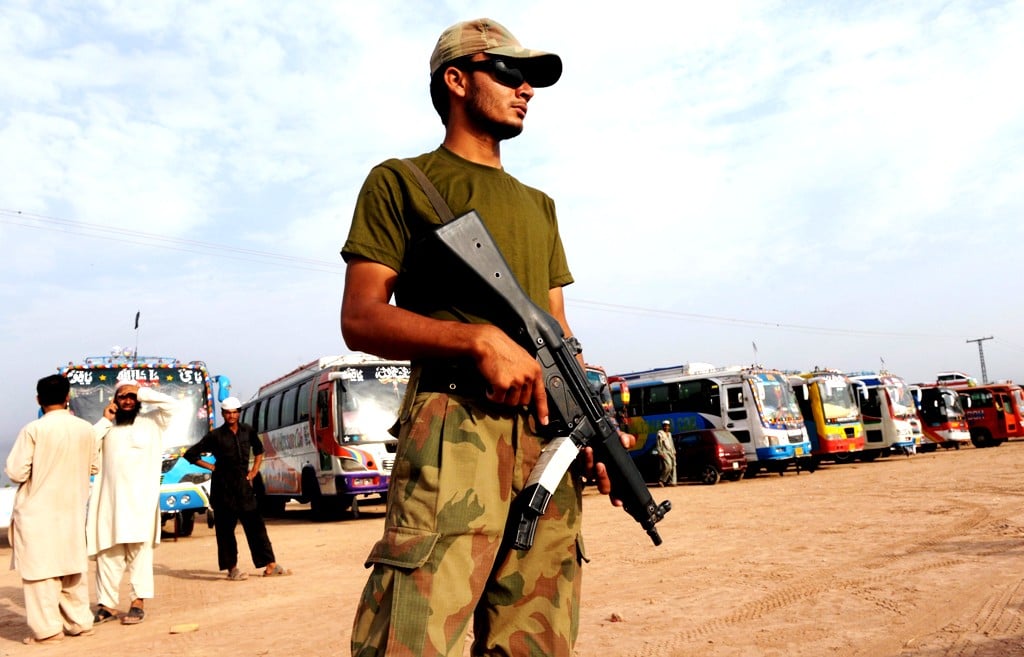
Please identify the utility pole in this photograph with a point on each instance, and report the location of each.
(981, 355)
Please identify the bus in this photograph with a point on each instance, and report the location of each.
(994, 411)
(184, 488)
(943, 421)
(325, 428)
(831, 415)
(757, 405)
(889, 413)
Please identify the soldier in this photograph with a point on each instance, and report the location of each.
(467, 440)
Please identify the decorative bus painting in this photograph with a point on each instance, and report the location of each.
(184, 488)
(757, 405)
(889, 414)
(943, 421)
(831, 415)
(325, 432)
(994, 411)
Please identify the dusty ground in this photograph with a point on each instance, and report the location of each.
(903, 557)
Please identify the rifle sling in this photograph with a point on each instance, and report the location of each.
(444, 213)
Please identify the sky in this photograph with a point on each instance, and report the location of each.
(796, 184)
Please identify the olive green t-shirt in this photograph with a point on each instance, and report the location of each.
(394, 219)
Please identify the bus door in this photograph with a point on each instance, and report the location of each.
(736, 419)
(323, 433)
(1005, 415)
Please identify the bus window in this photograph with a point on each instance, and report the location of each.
(274, 412)
(871, 407)
(303, 402)
(264, 407)
(288, 407)
(247, 416)
(657, 400)
(734, 397)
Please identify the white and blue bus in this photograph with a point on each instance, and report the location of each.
(325, 432)
(184, 488)
(757, 405)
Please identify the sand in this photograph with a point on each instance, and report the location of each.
(918, 556)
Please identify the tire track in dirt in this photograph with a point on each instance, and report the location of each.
(890, 558)
(986, 632)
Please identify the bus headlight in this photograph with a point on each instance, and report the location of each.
(171, 500)
(351, 465)
(197, 477)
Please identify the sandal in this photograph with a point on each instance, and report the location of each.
(236, 575)
(134, 616)
(276, 571)
(102, 616)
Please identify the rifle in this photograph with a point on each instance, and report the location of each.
(576, 418)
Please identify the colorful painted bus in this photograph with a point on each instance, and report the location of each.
(831, 415)
(184, 488)
(994, 411)
(325, 432)
(889, 413)
(943, 421)
(757, 405)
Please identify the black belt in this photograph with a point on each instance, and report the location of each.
(461, 381)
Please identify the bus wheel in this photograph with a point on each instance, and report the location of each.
(752, 470)
(184, 523)
(980, 438)
(869, 455)
(709, 475)
(311, 491)
(209, 517)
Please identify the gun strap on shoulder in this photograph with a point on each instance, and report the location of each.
(444, 213)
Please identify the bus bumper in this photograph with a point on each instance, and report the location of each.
(175, 498)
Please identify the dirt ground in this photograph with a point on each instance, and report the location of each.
(903, 557)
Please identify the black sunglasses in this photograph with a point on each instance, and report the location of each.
(510, 76)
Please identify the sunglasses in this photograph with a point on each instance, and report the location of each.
(510, 76)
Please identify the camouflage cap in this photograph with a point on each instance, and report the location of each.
(484, 35)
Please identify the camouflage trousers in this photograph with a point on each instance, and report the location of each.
(445, 560)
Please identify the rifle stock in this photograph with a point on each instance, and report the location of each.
(576, 418)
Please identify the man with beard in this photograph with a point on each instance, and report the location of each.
(124, 509)
(467, 439)
(52, 459)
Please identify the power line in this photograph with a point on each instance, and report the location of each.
(131, 236)
(672, 314)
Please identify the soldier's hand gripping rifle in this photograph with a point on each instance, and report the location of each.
(576, 417)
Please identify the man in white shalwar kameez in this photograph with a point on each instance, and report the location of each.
(52, 459)
(124, 510)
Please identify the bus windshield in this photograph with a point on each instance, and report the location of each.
(940, 406)
(777, 402)
(370, 400)
(902, 400)
(838, 402)
(93, 388)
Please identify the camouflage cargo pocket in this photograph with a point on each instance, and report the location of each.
(403, 547)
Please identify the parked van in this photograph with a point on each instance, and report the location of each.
(709, 455)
